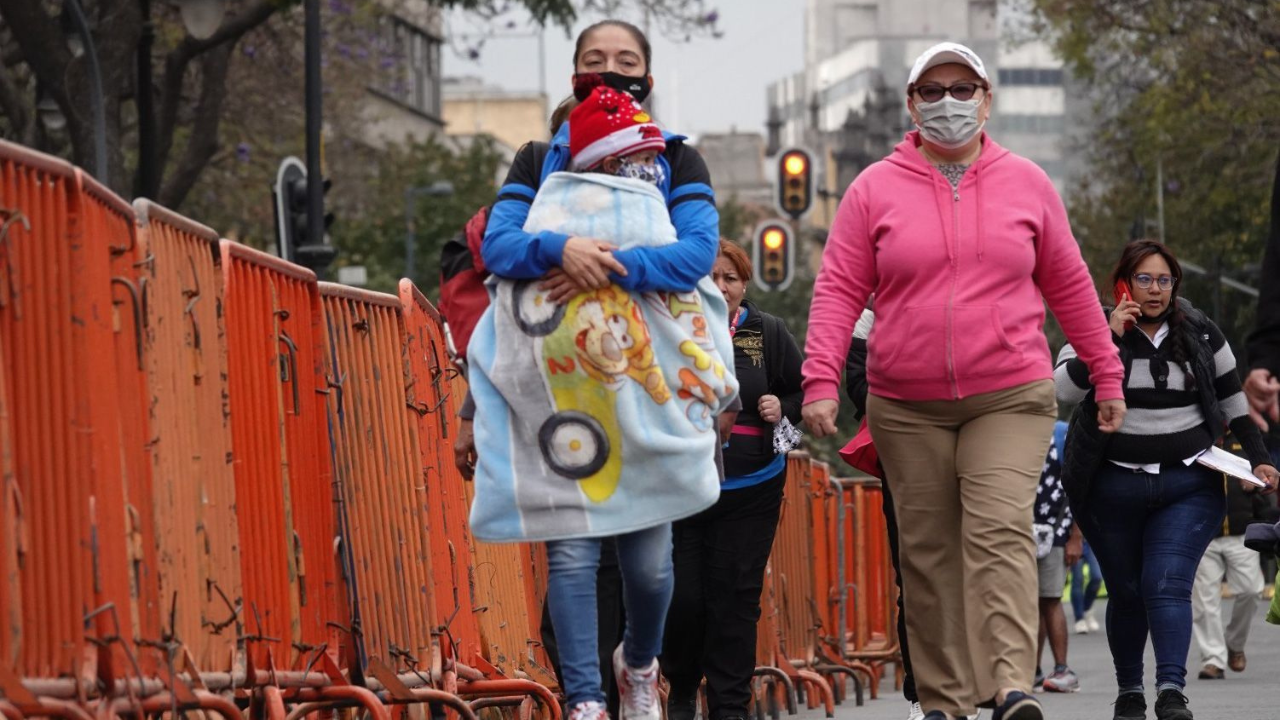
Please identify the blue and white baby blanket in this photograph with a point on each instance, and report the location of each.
(597, 417)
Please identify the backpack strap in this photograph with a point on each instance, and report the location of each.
(541, 153)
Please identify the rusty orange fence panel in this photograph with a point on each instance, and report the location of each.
(197, 532)
(824, 502)
(282, 459)
(10, 541)
(74, 478)
(56, 581)
(383, 502)
(507, 593)
(792, 562)
(870, 592)
(433, 403)
(110, 225)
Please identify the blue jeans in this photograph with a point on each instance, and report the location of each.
(644, 559)
(1082, 596)
(1149, 533)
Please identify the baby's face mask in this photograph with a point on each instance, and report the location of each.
(636, 169)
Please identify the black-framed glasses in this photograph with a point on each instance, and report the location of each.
(962, 91)
(1143, 280)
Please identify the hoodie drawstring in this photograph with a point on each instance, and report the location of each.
(945, 212)
(982, 237)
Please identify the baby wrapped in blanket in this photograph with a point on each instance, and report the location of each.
(597, 417)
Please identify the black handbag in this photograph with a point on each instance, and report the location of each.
(1086, 450)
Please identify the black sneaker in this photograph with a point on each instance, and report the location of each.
(1131, 706)
(1018, 705)
(682, 708)
(1172, 705)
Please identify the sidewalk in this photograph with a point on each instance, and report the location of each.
(1251, 695)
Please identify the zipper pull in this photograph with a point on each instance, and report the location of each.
(955, 194)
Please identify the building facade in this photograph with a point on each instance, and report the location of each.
(511, 117)
(848, 104)
(404, 99)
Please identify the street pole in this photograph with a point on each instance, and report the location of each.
(147, 184)
(314, 252)
(96, 98)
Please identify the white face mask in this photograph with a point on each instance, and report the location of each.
(949, 123)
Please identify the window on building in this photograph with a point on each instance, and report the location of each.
(1030, 76)
(411, 67)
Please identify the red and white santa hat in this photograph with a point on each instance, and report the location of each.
(610, 123)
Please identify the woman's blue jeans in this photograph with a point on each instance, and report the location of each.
(1149, 533)
(1082, 595)
(644, 560)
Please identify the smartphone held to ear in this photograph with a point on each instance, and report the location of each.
(1123, 292)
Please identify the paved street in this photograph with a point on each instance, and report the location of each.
(1251, 695)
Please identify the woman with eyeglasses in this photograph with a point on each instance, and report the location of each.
(1146, 506)
(962, 243)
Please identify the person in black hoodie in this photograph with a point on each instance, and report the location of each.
(1228, 560)
(855, 384)
(1262, 386)
(720, 553)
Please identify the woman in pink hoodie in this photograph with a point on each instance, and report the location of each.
(962, 243)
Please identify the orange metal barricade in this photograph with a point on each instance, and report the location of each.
(79, 472)
(433, 405)
(10, 541)
(510, 609)
(197, 530)
(110, 226)
(282, 462)
(383, 504)
(791, 570)
(435, 392)
(869, 594)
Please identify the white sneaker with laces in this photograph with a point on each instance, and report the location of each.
(637, 689)
(1082, 626)
(590, 710)
(1093, 624)
(915, 712)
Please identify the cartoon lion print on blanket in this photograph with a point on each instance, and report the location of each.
(591, 347)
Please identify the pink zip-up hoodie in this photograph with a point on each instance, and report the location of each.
(961, 278)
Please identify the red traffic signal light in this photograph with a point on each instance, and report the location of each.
(773, 254)
(795, 182)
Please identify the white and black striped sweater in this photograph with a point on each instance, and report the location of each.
(1165, 422)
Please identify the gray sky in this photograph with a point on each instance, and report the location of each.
(704, 85)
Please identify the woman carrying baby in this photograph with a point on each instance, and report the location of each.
(599, 370)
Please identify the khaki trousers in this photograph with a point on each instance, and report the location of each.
(963, 475)
(1226, 557)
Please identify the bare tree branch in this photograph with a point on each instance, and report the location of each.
(175, 68)
(203, 143)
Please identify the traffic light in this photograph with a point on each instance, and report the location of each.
(774, 255)
(291, 208)
(795, 182)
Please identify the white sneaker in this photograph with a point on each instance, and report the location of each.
(1093, 624)
(975, 716)
(590, 710)
(1082, 626)
(915, 712)
(637, 689)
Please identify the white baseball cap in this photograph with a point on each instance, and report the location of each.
(943, 53)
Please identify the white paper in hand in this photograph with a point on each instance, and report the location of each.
(1224, 462)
